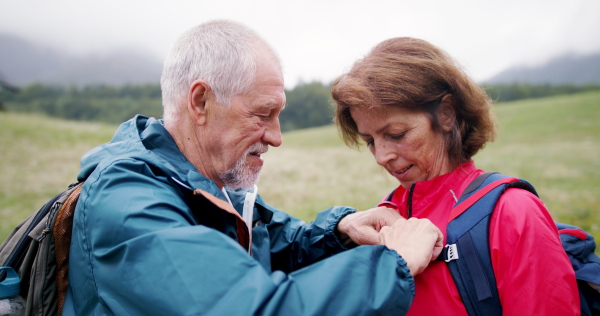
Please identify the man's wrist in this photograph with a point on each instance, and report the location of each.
(340, 234)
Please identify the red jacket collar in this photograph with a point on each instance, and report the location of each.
(424, 193)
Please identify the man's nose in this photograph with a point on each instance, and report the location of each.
(272, 135)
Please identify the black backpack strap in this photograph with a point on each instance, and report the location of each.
(16, 256)
(18, 252)
(475, 184)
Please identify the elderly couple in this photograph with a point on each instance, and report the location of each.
(169, 222)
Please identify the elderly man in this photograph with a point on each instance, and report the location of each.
(169, 223)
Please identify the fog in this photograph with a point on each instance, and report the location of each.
(318, 40)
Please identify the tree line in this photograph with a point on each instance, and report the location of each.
(308, 104)
(516, 91)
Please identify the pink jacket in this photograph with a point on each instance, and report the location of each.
(533, 273)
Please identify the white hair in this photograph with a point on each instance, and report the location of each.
(222, 53)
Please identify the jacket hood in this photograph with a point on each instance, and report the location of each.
(144, 139)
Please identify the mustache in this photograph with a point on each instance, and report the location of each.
(258, 148)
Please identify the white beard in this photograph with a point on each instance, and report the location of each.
(242, 176)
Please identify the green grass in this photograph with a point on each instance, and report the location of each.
(39, 157)
(554, 143)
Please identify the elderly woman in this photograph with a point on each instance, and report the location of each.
(423, 120)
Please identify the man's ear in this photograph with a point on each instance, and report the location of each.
(446, 112)
(197, 103)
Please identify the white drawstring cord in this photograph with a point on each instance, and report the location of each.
(248, 210)
(454, 196)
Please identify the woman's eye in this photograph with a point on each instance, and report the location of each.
(370, 142)
(398, 136)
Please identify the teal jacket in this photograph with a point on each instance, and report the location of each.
(152, 236)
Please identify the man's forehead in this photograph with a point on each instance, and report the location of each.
(270, 99)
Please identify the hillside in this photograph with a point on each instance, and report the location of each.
(566, 69)
(552, 142)
(23, 63)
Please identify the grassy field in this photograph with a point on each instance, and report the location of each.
(39, 157)
(554, 143)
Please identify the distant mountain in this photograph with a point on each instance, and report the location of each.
(23, 62)
(567, 69)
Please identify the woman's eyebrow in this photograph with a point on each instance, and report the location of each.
(383, 128)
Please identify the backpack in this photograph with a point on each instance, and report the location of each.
(468, 253)
(38, 251)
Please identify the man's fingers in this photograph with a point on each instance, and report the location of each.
(416, 240)
(383, 216)
(366, 236)
(363, 228)
(438, 246)
(383, 234)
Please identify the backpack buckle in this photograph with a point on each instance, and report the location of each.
(451, 252)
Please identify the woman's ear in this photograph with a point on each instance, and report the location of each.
(446, 112)
(198, 100)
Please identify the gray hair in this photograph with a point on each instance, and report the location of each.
(222, 53)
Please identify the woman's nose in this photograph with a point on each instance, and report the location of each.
(383, 154)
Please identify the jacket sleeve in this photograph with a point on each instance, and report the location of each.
(295, 244)
(135, 247)
(533, 272)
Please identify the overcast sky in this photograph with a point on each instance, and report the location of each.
(320, 39)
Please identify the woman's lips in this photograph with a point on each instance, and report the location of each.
(401, 173)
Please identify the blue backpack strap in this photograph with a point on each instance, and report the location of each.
(467, 252)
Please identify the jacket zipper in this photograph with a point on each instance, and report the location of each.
(409, 202)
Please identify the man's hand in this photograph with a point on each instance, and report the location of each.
(418, 241)
(363, 228)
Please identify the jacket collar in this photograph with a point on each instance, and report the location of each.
(453, 181)
(162, 147)
(426, 192)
